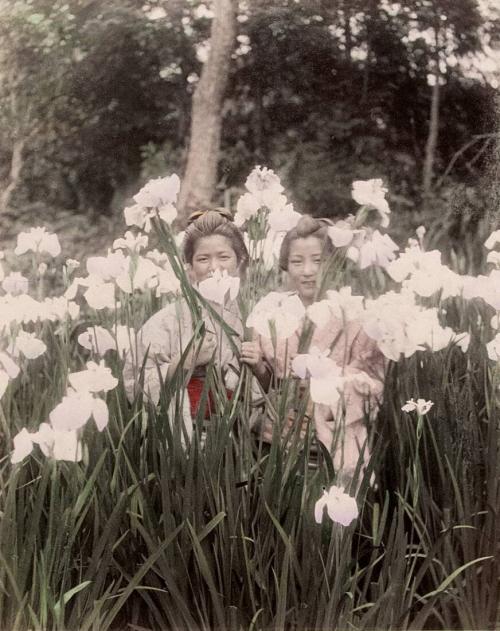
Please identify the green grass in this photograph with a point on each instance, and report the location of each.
(144, 535)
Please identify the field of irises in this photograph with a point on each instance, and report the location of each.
(111, 518)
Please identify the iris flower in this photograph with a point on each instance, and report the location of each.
(157, 196)
(283, 312)
(421, 406)
(131, 242)
(95, 378)
(219, 286)
(97, 339)
(15, 283)
(372, 193)
(27, 344)
(37, 240)
(340, 506)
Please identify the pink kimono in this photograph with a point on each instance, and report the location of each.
(343, 434)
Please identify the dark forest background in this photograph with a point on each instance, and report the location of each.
(96, 96)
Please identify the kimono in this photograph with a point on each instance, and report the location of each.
(164, 337)
(342, 430)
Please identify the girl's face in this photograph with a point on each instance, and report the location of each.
(212, 253)
(304, 262)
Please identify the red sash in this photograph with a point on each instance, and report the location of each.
(195, 390)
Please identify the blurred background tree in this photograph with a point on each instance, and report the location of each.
(98, 82)
(200, 177)
(96, 97)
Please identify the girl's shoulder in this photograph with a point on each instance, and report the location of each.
(349, 331)
(167, 318)
(275, 299)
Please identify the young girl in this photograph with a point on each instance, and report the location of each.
(212, 242)
(304, 249)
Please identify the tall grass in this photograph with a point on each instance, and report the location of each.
(145, 534)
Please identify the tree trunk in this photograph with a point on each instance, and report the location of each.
(258, 123)
(493, 207)
(347, 30)
(371, 19)
(16, 165)
(432, 138)
(200, 177)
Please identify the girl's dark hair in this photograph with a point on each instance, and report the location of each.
(307, 227)
(218, 221)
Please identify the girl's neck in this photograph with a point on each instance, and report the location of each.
(307, 302)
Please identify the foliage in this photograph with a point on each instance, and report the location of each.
(323, 92)
(103, 64)
(341, 92)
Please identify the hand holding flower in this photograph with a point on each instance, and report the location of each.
(251, 354)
